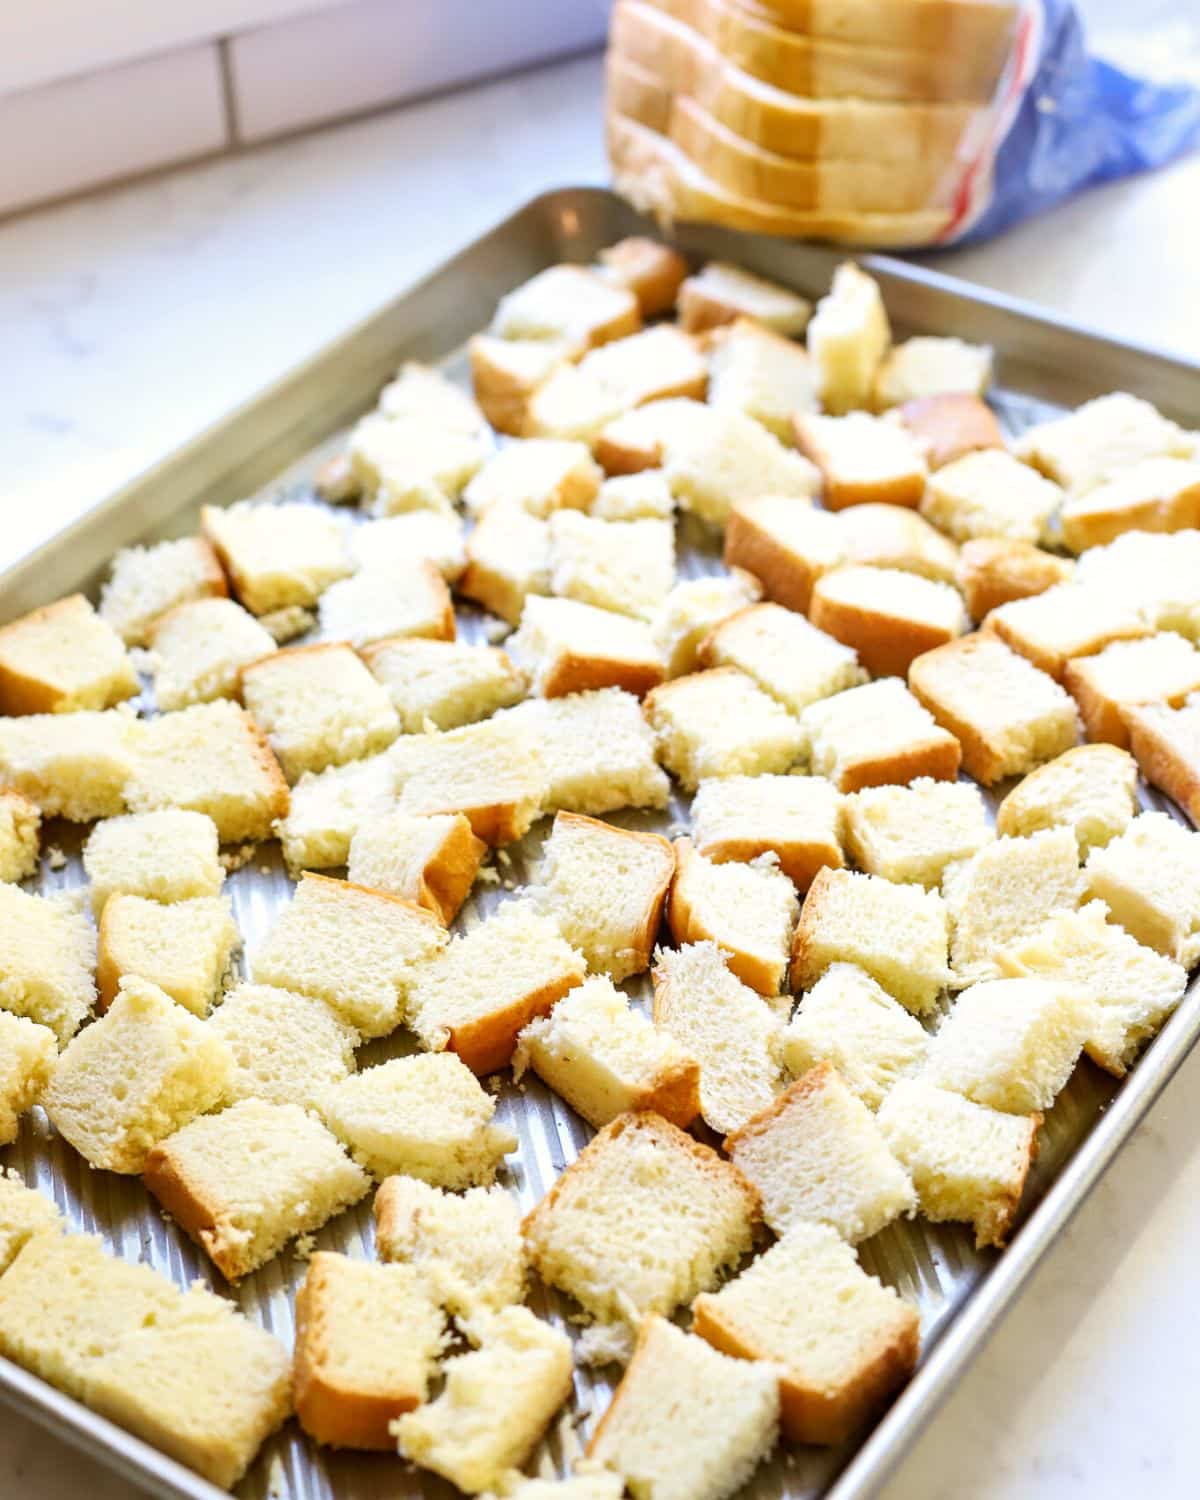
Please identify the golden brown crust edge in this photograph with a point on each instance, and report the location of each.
(1162, 764)
(759, 973)
(887, 645)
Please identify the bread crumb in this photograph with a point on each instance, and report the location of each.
(504, 856)
(234, 859)
(604, 1344)
(496, 630)
(489, 875)
(284, 625)
(55, 858)
(428, 726)
(304, 1246)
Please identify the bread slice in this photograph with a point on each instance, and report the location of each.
(28, 1053)
(925, 367)
(419, 535)
(186, 948)
(990, 493)
(211, 758)
(798, 819)
(1149, 879)
(404, 596)
(605, 888)
(540, 475)
(789, 658)
(49, 960)
(62, 658)
(1158, 573)
(691, 610)
(134, 1077)
(848, 339)
(164, 856)
(1100, 438)
(1007, 715)
(20, 825)
(815, 1155)
(843, 1340)
(722, 293)
(493, 772)
(947, 427)
(911, 833)
(720, 723)
(1166, 743)
(887, 616)
(713, 464)
(641, 439)
(571, 303)
(1162, 668)
(652, 271)
(721, 1022)
(644, 1219)
(749, 911)
(645, 496)
(1091, 789)
(994, 570)
(505, 373)
(861, 458)
(605, 1059)
(199, 649)
(23, 1213)
(571, 647)
(497, 1402)
(759, 373)
(429, 861)
(968, 1163)
(144, 583)
(898, 933)
(1156, 494)
(287, 1048)
(367, 1342)
(326, 810)
(408, 463)
(892, 536)
(876, 735)
(624, 566)
(277, 554)
(785, 543)
(443, 683)
(508, 559)
(687, 1422)
(75, 767)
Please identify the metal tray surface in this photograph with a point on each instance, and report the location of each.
(273, 446)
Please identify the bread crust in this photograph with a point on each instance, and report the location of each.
(887, 644)
(23, 693)
(279, 794)
(487, 1043)
(996, 570)
(838, 494)
(1082, 529)
(642, 938)
(993, 1223)
(200, 1220)
(759, 972)
(950, 425)
(618, 457)
(653, 272)
(799, 859)
(1162, 763)
(938, 757)
(1051, 660)
(447, 879)
(784, 576)
(571, 672)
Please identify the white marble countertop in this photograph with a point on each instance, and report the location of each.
(130, 321)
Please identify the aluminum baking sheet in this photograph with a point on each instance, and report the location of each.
(273, 447)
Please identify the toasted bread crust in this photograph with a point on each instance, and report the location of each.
(487, 1043)
(641, 940)
(617, 457)
(447, 879)
(950, 425)
(199, 1219)
(938, 757)
(800, 860)
(886, 644)
(785, 577)
(279, 794)
(993, 1223)
(1162, 764)
(572, 673)
(753, 969)
(996, 570)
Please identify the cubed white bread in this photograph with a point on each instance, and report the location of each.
(928, 366)
(243, 1182)
(279, 554)
(1149, 879)
(748, 910)
(493, 772)
(995, 570)
(1132, 988)
(476, 996)
(691, 610)
(606, 1059)
(497, 1402)
(430, 861)
(1156, 494)
(892, 536)
(798, 819)
(28, 1053)
(467, 1246)
(687, 1422)
(876, 735)
(49, 959)
(406, 596)
(367, 1343)
(327, 810)
(651, 271)
(318, 706)
(848, 339)
(211, 758)
(1166, 743)
(165, 856)
(725, 1026)
(421, 534)
(990, 493)
(641, 1221)
(843, 1341)
(185, 948)
(852, 1023)
(74, 767)
(712, 465)
(358, 950)
(144, 583)
(949, 426)
(286, 1048)
(764, 376)
(134, 1077)
(404, 464)
(492, 375)
(1161, 668)
(605, 888)
(887, 616)
(199, 650)
(862, 458)
(816, 1156)
(722, 293)
(634, 497)
(898, 933)
(63, 658)
(569, 647)
(1159, 574)
(1005, 891)
(1099, 439)
(968, 1163)
(720, 723)
(642, 439)
(911, 833)
(508, 559)
(788, 657)
(422, 392)
(540, 475)
(784, 542)
(443, 683)
(506, 372)
(20, 827)
(1091, 789)
(1007, 715)
(626, 566)
(571, 303)
(24, 1212)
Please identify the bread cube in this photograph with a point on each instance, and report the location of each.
(539, 475)
(407, 596)
(1158, 573)
(505, 373)
(948, 426)
(892, 536)
(652, 272)
(1156, 494)
(712, 465)
(876, 735)
(508, 559)
(28, 1053)
(497, 1402)
(358, 950)
(911, 833)
(211, 758)
(1161, 668)
(23, 1213)
(62, 658)
(725, 1026)
(165, 856)
(842, 1339)
(286, 1048)
(795, 818)
(721, 292)
(1099, 439)
(898, 933)
(75, 768)
(642, 438)
(418, 535)
(319, 706)
(848, 338)
(815, 1155)
(145, 583)
(327, 810)
(1166, 743)
(20, 823)
(691, 610)
(924, 367)
(994, 570)
(49, 959)
(788, 658)
(142, 1071)
(443, 683)
(990, 493)
(625, 566)
(199, 650)
(687, 1422)
(185, 949)
(244, 1182)
(571, 647)
(755, 371)
(634, 497)
(644, 1219)
(430, 861)
(862, 458)
(968, 1163)
(1149, 879)
(786, 543)
(1091, 789)
(367, 1342)
(494, 773)
(720, 723)
(423, 392)
(887, 616)
(407, 463)
(749, 911)
(1066, 621)
(1007, 715)
(571, 303)
(276, 555)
